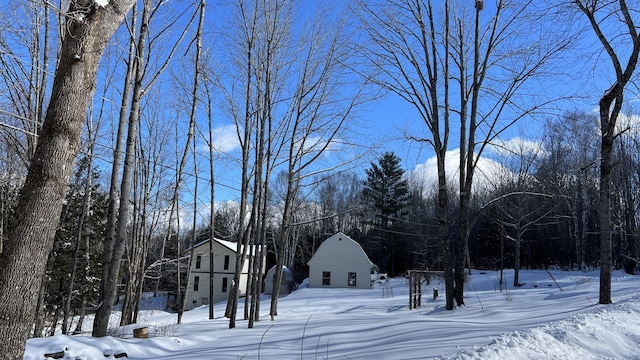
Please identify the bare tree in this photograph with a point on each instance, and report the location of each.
(89, 28)
(148, 201)
(91, 140)
(248, 20)
(570, 169)
(412, 61)
(112, 211)
(315, 119)
(25, 79)
(208, 138)
(110, 279)
(191, 137)
(414, 45)
(493, 74)
(626, 183)
(286, 105)
(117, 229)
(599, 13)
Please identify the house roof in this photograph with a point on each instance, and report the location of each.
(341, 236)
(227, 244)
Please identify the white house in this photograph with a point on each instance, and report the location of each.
(340, 262)
(224, 264)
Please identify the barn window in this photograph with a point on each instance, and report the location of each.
(326, 278)
(351, 280)
(196, 283)
(198, 261)
(226, 262)
(224, 284)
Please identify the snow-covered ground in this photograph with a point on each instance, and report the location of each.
(553, 316)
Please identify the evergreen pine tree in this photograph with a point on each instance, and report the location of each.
(386, 194)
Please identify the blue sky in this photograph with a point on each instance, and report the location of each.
(380, 123)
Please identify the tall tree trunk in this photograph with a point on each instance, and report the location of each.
(443, 232)
(610, 106)
(604, 213)
(32, 231)
(212, 193)
(109, 242)
(110, 289)
(262, 234)
(244, 125)
(190, 137)
(516, 259)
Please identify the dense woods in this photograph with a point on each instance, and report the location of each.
(252, 122)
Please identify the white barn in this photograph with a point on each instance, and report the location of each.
(340, 262)
(224, 264)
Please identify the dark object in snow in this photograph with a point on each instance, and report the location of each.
(435, 293)
(55, 355)
(118, 354)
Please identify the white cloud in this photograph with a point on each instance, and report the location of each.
(629, 123)
(225, 138)
(487, 174)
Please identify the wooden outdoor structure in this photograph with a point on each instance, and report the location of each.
(416, 279)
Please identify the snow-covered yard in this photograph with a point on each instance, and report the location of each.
(544, 319)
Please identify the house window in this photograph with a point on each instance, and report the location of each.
(196, 283)
(351, 280)
(224, 284)
(226, 262)
(198, 261)
(326, 278)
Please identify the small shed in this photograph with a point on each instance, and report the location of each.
(340, 262)
(287, 285)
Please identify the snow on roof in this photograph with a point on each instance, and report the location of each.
(341, 235)
(228, 244)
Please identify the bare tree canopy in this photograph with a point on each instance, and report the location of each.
(470, 65)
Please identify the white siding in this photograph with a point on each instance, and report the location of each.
(222, 249)
(340, 255)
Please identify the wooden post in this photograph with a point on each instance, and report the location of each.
(141, 333)
(410, 289)
(416, 277)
